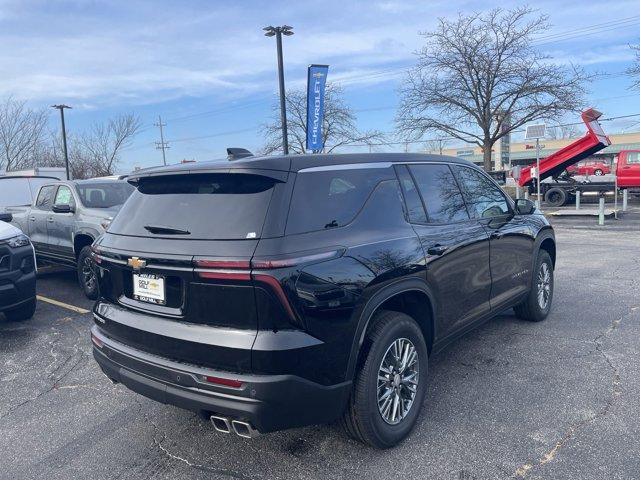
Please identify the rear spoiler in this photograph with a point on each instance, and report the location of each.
(556, 163)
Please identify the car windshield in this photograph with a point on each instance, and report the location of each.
(104, 195)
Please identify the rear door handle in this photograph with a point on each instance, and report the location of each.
(50, 220)
(437, 250)
(33, 219)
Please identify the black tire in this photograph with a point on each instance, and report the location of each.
(87, 275)
(23, 312)
(555, 197)
(363, 419)
(598, 172)
(532, 309)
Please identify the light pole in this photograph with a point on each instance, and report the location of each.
(64, 136)
(278, 32)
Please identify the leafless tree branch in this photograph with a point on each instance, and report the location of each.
(478, 70)
(103, 143)
(22, 134)
(339, 126)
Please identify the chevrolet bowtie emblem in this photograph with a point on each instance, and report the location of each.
(136, 263)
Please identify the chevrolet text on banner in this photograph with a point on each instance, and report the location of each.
(316, 83)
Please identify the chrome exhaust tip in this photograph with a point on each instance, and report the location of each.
(221, 424)
(244, 429)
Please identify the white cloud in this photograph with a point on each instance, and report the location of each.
(146, 52)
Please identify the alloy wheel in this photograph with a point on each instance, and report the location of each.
(88, 274)
(544, 286)
(398, 377)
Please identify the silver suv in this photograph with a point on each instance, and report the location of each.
(66, 217)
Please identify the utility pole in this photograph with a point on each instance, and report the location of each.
(61, 107)
(161, 145)
(278, 32)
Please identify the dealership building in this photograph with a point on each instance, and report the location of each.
(524, 153)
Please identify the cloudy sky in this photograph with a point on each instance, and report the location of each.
(206, 67)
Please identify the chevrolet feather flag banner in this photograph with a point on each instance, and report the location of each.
(316, 83)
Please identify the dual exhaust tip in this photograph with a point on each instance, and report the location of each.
(225, 425)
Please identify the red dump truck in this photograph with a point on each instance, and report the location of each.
(563, 188)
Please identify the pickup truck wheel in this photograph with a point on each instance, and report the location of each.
(555, 197)
(538, 303)
(391, 384)
(86, 274)
(23, 312)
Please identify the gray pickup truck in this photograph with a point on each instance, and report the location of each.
(66, 217)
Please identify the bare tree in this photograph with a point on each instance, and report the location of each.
(101, 146)
(477, 70)
(562, 131)
(436, 145)
(634, 70)
(22, 134)
(81, 163)
(338, 126)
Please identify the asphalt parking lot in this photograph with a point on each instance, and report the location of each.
(559, 399)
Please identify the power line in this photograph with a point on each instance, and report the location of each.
(255, 127)
(472, 140)
(588, 30)
(350, 79)
(161, 145)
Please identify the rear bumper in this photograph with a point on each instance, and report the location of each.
(268, 402)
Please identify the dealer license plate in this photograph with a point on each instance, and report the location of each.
(149, 288)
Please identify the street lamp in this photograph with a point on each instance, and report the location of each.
(278, 32)
(64, 136)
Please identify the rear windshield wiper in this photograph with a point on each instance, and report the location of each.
(159, 229)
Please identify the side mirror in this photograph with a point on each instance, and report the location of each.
(62, 208)
(525, 207)
(6, 217)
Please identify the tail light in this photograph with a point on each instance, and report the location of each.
(223, 269)
(268, 264)
(258, 270)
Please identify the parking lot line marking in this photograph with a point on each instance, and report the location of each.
(73, 308)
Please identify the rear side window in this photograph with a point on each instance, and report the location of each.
(412, 200)
(484, 198)
(45, 197)
(216, 206)
(440, 193)
(633, 157)
(325, 199)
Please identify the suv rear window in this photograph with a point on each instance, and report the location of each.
(331, 198)
(216, 206)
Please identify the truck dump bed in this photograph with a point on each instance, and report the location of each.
(593, 141)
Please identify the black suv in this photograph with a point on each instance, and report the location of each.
(277, 292)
